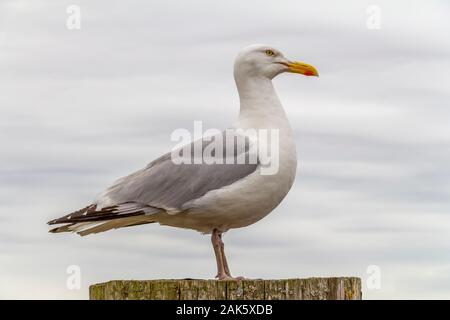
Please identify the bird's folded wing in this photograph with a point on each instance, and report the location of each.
(168, 184)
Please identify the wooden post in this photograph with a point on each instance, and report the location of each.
(191, 289)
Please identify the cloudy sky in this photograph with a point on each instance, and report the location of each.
(80, 108)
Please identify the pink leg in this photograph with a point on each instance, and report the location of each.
(215, 240)
(224, 258)
(223, 271)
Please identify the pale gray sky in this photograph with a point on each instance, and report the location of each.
(80, 108)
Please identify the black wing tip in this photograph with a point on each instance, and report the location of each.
(66, 218)
(59, 221)
(89, 214)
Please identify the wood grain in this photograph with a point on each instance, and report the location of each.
(339, 288)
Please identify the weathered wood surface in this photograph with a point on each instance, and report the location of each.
(191, 289)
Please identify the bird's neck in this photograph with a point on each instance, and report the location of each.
(259, 103)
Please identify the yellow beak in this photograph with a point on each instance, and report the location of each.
(302, 68)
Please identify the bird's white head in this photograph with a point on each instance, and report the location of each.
(265, 61)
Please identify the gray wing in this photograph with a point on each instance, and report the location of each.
(168, 185)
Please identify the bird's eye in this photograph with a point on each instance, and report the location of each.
(270, 53)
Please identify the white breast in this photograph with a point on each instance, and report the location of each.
(252, 198)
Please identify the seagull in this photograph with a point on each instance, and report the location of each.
(180, 190)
